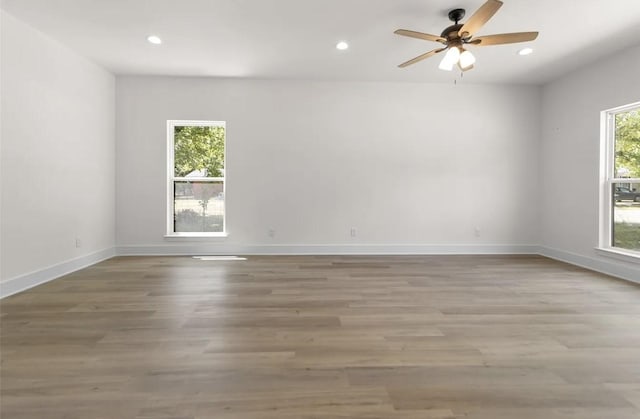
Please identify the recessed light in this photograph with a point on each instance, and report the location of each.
(525, 51)
(154, 39)
(342, 45)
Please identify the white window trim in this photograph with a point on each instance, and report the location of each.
(171, 124)
(607, 179)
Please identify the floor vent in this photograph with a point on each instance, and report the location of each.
(219, 258)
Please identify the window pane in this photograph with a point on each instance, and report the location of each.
(199, 151)
(626, 216)
(198, 207)
(627, 144)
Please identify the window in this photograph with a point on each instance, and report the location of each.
(196, 178)
(620, 220)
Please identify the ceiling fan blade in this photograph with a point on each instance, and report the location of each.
(421, 57)
(420, 35)
(479, 18)
(504, 38)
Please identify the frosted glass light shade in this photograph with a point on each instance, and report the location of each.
(450, 59)
(467, 59)
(445, 64)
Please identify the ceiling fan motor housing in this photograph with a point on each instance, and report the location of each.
(451, 33)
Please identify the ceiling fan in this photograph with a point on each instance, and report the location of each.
(456, 36)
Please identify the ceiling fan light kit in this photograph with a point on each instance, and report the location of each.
(450, 59)
(456, 36)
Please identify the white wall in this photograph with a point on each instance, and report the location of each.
(570, 157)
(409, 165)
(58, 151)
(413, 167)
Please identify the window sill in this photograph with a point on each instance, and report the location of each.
(623, 255)
(196, 236)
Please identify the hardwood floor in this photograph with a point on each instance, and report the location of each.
(474, 337)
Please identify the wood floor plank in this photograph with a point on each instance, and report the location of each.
(474, 337)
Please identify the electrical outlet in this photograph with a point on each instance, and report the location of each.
(271, 232)
(477, 231)
(78, 242)
(353, 232)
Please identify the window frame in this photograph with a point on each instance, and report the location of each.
(171, 178)
(607, 181)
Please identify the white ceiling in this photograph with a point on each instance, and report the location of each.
(295, 39)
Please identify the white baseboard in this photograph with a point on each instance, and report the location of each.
(32, 279)
(614, 268)
(341, 249)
